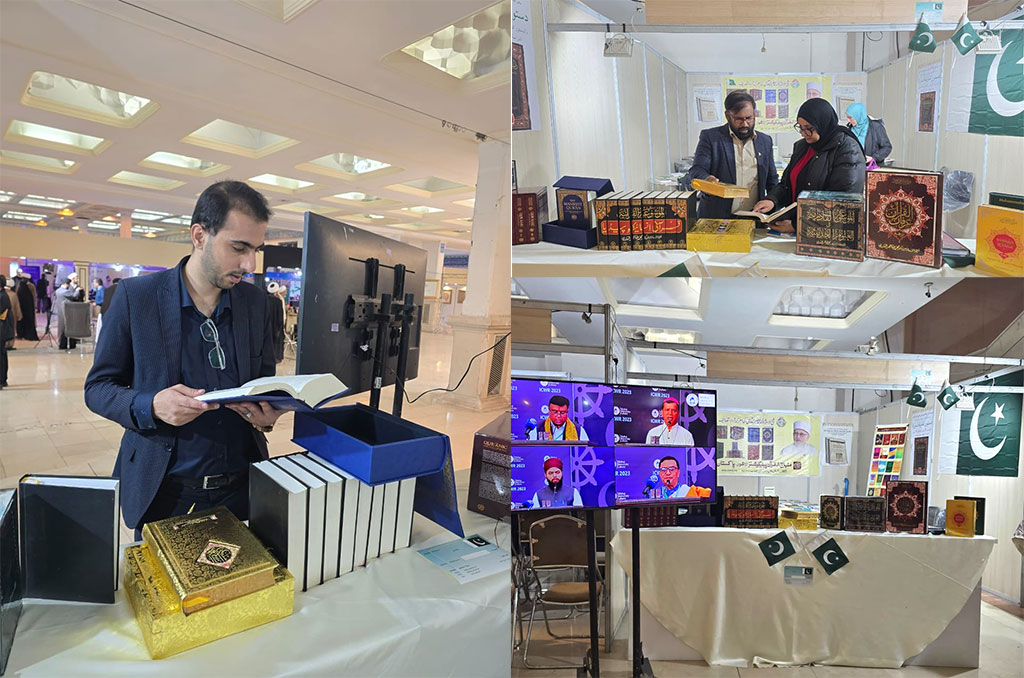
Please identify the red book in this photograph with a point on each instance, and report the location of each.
(904, 216)
(529, 211)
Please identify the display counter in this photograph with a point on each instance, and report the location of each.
(396, 617)
(774, 256)
(712, 590)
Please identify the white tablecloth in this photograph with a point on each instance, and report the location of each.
(712, 588)
(402, 616)
(774, 256)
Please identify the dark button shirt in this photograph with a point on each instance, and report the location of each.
(215, 442)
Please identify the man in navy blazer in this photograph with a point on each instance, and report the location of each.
(169, 337)
(716, 159)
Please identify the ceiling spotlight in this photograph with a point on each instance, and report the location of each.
(870, 348)
(66, 212)
(586, 315)
(41, 222)
(928, 290)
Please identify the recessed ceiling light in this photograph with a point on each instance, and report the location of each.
(183, 220)
(104, 225)
(52, 92)
(22, 216)
(65, 212)
(762, 341)
(41, 222)
(230, 137)
(43, 201)
(145, 181)
(347, 166)
(146, 215)
(430, 187)
(182, 164)
(422, 209)
(38, 162)
(666, 336)
(276, 182)
(145, 228)
(303, 207)
(6, 196)
(55, 138)
(357, 196)
(470, 48)
(823, 307)
(471, 202)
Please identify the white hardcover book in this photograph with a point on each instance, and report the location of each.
(332, 511)
(349, 516)
(406, 497)
(389, 519)
(277, 516)
(376, 521)
(315, 521)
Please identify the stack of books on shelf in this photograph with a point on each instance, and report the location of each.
(644, 220)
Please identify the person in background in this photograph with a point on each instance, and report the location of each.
(43, 293)
(6, 329)
(26, 292)
(96, 296)
(736, 154)
(555, 492)
(8, 291)
(277, 317)
(828, 157)
(869, 132)
(68, 291)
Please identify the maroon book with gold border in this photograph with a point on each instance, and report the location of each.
(904, 216)
(906, 506)
(865, 514)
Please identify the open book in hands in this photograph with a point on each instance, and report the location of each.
(766, 218)
(299, 392)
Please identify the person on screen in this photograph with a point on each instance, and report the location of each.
(557, 425)
(667, 486)
(554, 493)
(801, 433)
(670, 432)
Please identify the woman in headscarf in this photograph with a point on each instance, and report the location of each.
(828, 157)
(27, 300)
(870, 133)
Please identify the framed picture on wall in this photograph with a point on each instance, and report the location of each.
(835, 451)
(446, 296)
(430, 289)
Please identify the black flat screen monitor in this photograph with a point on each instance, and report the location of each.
(651, 415)
(564, 412)
(333, 325)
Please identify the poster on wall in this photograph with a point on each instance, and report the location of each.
(707, 102)
(921, 426)
(929, 84)
(525, 111)
(986, 91)
(768, 444)
(843, 96)
(990, 435)
(778, 97)
(838, 441)
(886, 457)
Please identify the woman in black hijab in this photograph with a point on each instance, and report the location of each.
(828, 157)
(27, 301)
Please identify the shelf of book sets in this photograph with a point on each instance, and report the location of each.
(897, 219)
(314, 516)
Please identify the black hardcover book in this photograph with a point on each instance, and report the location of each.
(865, 514)
(830, 512)
(979, 513)
(70, 537)
(750, 512)
(10, 575)
(278, 505)
(491, 469)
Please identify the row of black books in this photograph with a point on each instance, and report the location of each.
(644, 220)
(322, 522)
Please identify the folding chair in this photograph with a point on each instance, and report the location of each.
(78, 322)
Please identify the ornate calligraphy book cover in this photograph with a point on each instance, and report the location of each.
(904, 216)
(906, 506)
(1001, 240)
(529, 211)
(960, 517)
(865, 514)
(654, 221)
(210, 557)
(752, 511)
(830, 512)
(636, 214)
(830, 224)
(680, 214)
(979, 512)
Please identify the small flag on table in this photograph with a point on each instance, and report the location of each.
(965, 38)
(948, 396)
(830, 556)
(922, 40)
(777, 548)
(916, 397)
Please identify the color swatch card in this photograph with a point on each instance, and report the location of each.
(886, 457)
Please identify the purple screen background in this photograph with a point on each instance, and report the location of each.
(639, 410)
(591, 470)
(634, 466)
(590, 406)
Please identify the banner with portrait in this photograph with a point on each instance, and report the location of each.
(768, 444)
(778, 97)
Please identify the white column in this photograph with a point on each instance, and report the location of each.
(486, 316)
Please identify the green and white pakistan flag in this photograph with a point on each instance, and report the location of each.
(990, 435)
(986, 91)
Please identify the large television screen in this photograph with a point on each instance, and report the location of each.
(562, 476)
(659, 475)
(561, 412)
(651, 415)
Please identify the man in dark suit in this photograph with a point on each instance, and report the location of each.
(734, 154)
(171, 336)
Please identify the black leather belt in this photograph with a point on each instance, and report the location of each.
(216, 482)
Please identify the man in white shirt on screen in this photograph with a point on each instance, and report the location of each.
(670, 432)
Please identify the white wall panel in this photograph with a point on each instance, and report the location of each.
(656, 107)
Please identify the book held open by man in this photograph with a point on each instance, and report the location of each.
(297, 392)
(765, 218)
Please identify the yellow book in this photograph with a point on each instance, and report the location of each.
(166, 630)
(960, 515)
(210, 557)
(1000, 240)
(720, 189)
(720, 235)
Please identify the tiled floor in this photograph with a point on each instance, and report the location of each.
(1002, 656)
(45, 426)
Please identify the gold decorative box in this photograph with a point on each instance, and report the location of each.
(721, 235)
(801, 520)
(165, 627)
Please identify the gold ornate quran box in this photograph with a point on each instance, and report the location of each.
(167, 630)
(209, 557)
